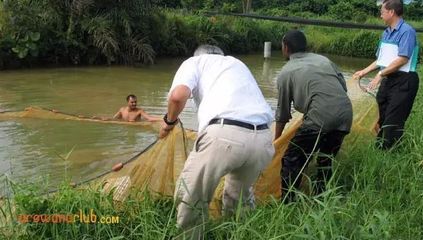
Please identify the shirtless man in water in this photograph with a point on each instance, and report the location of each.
(132, 113)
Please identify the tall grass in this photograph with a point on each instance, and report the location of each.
(180, 33)
(373, 195)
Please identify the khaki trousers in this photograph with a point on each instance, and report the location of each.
(221, 150)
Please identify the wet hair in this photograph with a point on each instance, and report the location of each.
(130, 96)
(208, 49)
(396, 5)
(295, 40)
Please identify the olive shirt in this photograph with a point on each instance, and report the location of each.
(317, 89)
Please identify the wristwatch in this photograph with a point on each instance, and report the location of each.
(171, 123)
(380, 73)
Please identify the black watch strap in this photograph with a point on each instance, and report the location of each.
(168, 122)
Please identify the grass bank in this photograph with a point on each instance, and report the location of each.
(180, 33)
(373, 195)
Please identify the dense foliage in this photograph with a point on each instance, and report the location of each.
(136, 31)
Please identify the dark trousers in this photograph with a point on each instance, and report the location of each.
(298, 155)
(395, 99)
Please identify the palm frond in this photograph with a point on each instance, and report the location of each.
(141, 50)
(78, 7)
(103, 37)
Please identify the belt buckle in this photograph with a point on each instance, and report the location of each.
(221, 121)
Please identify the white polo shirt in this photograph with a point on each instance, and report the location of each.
(223, 87)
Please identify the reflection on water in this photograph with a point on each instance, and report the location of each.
(31, 147)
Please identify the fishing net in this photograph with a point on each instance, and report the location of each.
(44, 113)
(157, 168)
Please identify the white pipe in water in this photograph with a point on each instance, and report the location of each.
(267, 49)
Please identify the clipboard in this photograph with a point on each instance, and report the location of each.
(388, 52)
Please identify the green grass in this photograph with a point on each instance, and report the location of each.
(373, 195)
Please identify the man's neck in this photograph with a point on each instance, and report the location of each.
(132, 109)
(395, 22)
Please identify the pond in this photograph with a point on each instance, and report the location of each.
(35, 150)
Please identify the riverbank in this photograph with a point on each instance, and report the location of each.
(373, 195)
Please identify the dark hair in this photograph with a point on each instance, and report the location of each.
(396, 5)
(130, 96)
(295, 41)
(208, 49)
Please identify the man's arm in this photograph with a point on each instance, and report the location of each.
(148, 117)
(177, 100)
(279, 129)
(341, 78)
(359, 74)
(391, 68)
(118, 115)
(283, 108)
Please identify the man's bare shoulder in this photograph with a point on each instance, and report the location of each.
(140, 109)
(123, 109)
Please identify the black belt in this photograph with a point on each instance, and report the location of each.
(238, 123)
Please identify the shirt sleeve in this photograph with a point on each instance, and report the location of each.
(340, 76)
(187, 75)
(283, 109)
(407, 43)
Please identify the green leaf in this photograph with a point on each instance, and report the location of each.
(23, 53)
(35, 36)
(15, 49)
(32, 46)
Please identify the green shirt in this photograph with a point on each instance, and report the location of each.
(317, 89)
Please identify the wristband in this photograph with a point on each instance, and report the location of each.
(167, 121)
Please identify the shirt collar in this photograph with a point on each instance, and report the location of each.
(400, 22)
(297, 55)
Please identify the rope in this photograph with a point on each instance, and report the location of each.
(364, 89)
(76, 115)
(298, 20)
(101, 174)
(124, 163)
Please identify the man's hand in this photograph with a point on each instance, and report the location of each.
(374, 83)
(359, 74)
(165, 129)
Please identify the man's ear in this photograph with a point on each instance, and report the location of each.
(285, 50)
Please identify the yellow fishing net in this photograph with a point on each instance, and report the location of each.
(159, 166)
(44, 113)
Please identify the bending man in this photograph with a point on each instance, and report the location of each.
(233, 134)
(318, 90)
